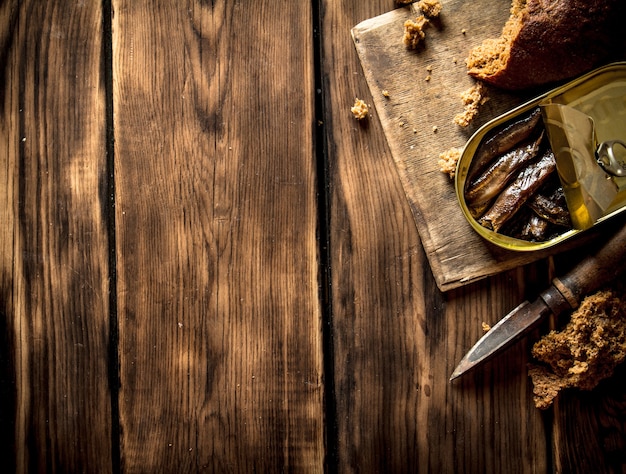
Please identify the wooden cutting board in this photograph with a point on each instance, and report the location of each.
(423, 96)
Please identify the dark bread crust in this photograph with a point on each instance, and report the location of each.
(546, 41)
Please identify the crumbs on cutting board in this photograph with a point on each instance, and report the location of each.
(414, 34)
(473, 98)
(448, 160)
(359, 109)
(430, 8)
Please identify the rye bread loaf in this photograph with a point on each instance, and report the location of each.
(546, 41)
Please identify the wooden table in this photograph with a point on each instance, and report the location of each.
(206, 263)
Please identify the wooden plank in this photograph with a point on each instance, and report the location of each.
(220, 322)
(54, 303)
(396, 337)
(417, 118)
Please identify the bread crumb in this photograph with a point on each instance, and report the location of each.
(359, 109)
(473, 95)
(414, 32)
(435, 128)
(472, 99)
(385, 93)
(486, 327)
(448, 160)
(463, 31)
(587, 350)
(430, 8)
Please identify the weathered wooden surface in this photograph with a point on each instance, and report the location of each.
(219, 318)
(54, 287)
(417, 118)
(172, 200)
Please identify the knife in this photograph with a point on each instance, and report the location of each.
(564, 294)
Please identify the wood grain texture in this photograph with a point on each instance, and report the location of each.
(54, 301)
(220, 322)
(396, 337)
(417, 118)
(206, 279)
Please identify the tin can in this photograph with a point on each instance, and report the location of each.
(601, 97)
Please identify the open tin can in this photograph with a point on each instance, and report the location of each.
(583, 124)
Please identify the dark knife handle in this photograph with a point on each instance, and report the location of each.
(590, 274)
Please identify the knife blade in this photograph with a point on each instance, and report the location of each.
(564, 294)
